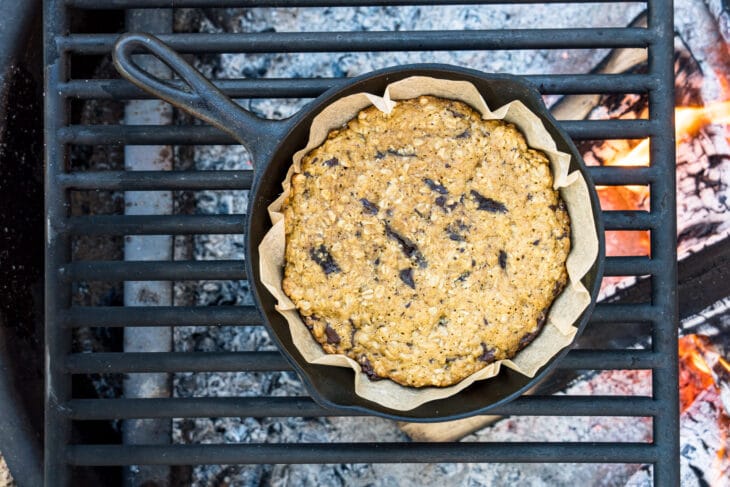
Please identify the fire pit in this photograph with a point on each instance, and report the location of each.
(207, 344)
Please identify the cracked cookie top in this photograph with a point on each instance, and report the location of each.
(425, 243)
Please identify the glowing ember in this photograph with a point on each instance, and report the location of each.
(699, 365)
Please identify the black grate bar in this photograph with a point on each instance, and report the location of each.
(629, 220)
(630, 266)
(618, 313)
(622, 175)
(130, 316)
(119, 4)
(664, 245)
(114, 363)
(157, 180)
(431, 40)
(263, 453)
(261, 407)
(202, 135)
(118, 316)
(155, 224)
(312, 87)
(193, 270)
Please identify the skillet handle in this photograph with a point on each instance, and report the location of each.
(200, 97)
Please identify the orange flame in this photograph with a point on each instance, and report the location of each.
(688, 123)
(697, 357)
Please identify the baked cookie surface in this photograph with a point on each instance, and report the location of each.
(425, 243)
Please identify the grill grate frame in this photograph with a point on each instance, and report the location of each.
(61, 408)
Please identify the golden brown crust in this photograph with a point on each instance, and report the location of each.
(424, 243)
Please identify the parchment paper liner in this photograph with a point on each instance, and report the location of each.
(565, 310)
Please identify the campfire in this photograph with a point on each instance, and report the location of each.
(702, 134)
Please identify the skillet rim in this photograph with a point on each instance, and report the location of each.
(316, 106)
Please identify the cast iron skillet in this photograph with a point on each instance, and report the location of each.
(272, 144)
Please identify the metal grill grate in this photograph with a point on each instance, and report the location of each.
(62, 408)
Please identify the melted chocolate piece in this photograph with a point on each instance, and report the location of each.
(332, 162)
(367, 368)
(434, 186)
(406, 275)
(463, 276)
(332, 337)
(409, 248)
(502, 259)
(325, 260)
(455, 113)
(464, 135)
(369, 207)
(441, 202)
(527, 339)
(455, 231)
(488, 204)
(487, 354)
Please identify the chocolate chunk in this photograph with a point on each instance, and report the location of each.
(488, 204)
(376, 261)
(456, 113)
(557, 289)
(536, 242)
(486, 322)
(529, 196)
(408, 247)
(406, 275)
(332, 337)
(441, 202)
(463, 276)
(487, 354)
(464, 135)
(369, 207)
(307, 174)
(435, 186)
(380, 155)
(367, 368)
(401, 153)
(455, 231)
(332, 162)
(502, 259)
(325, 260)
(553, 207)
(528, 338)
